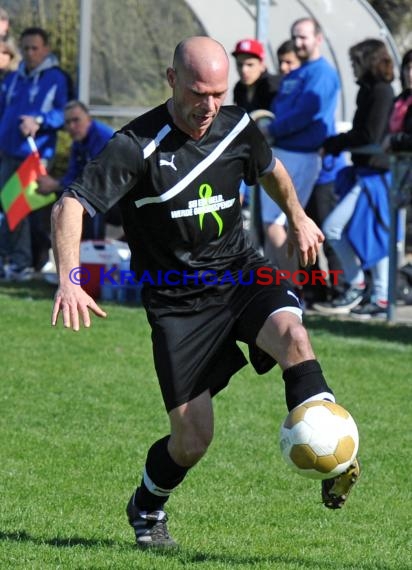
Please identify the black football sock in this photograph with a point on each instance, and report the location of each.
(161, 475)
(303, 381)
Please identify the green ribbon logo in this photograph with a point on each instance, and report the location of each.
(205, 192)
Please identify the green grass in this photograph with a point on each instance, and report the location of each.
(79, 410)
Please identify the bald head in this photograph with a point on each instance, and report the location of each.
(199, 80)
(200, 54)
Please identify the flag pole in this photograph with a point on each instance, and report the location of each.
(32, 144)
(19, 195)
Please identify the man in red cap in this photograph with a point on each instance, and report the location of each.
(256, 86)
(254, 91)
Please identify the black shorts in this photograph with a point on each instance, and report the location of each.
(195, 341)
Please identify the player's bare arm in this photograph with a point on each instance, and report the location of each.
(70, 299)
(303, 233)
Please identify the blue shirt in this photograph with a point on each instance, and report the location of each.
(331, 165)
(42, 92)
(305, 107)
(83, 151)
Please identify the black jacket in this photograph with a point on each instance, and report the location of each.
(266, 88)
(370, 123)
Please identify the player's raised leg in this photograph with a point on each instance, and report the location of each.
(335, 491)
(285, 338)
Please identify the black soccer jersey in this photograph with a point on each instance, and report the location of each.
(179, 197)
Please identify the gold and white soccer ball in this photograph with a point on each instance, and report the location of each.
(319, 439)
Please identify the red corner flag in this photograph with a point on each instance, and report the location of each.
(18, 196)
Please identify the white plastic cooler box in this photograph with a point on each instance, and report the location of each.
(98, 256)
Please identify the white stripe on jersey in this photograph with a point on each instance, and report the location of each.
(151, 147)
(198, 169)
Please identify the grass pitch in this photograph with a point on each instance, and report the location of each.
(79, 410)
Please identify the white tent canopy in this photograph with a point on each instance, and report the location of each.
(344, 23)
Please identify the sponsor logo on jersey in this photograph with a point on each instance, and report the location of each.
(171, 163)
(206, 204)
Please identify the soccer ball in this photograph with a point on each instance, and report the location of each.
(319, 439)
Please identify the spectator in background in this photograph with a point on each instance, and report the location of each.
(287, 57)
(322, 199)
(400, 122)
(304, 110)
(4, 24)
(89, 138)
(254, 91)
(32, 100)
(363, 185)
(287, 62)
(9, 57)
(321, 203)
(399, 139)
(256, 86)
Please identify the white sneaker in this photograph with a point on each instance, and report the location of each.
(20, 274)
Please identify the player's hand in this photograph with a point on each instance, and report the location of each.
(74, 305)
(306, 239)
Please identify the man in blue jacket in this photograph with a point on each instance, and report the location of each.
(32, 100)
(304, 110)
(89, 138)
